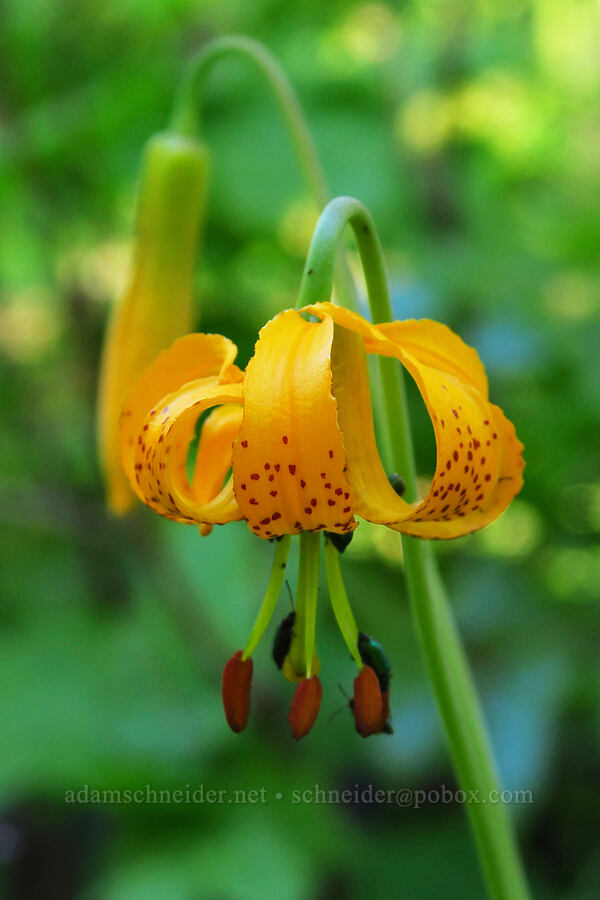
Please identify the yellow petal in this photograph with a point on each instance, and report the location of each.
(213, 460)
(160, 458)
(479, 464)
(156, 307)
(289, 461)
(158, 423)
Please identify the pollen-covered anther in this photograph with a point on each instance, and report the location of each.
(235, 688)
(305, 706)
(368, 703)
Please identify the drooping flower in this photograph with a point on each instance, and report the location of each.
(296, 431)
(303, 448)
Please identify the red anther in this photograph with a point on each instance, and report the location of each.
(237, 677)
(305, 706)
(368, 703)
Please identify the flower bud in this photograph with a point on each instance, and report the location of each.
(156, 307)
(305, 706)
(236, 683)
(368, 703)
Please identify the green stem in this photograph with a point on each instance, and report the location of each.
(186, 118)
(269, 603)
(440, 644)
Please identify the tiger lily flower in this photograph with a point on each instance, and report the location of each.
(296, 432)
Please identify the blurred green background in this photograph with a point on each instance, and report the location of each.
(472, 132)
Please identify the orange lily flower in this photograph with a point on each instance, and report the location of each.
(298, 432)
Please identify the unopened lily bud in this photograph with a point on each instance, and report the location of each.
(236, 683)
(368, 703)
(305, 706)
(156, 307)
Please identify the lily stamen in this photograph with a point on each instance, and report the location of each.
(269, 603)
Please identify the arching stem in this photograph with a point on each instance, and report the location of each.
(186, 116)
(442, 650)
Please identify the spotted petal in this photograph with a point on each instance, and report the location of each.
(479, 463)
(158, 423)
(289, 461)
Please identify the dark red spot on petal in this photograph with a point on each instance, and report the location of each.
(285, 438)
(292, 469)
(244, 444)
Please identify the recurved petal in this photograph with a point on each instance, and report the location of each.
(160, 459)
(159, 420)
(213, 460)
(479, 463)
(187, 359)
(289, 461)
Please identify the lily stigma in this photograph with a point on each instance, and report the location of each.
(289, 447)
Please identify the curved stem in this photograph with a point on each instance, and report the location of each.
(186, 118)
(443, 653)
